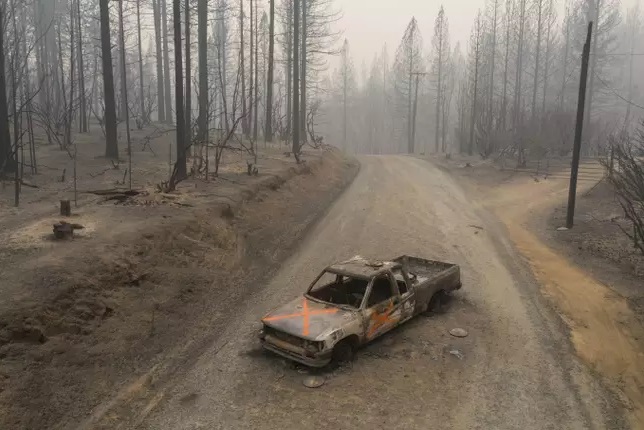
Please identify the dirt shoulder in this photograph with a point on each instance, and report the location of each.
(87, 325)
(588, 274)
(598, 243)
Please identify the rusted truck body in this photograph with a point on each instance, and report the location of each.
(353, 302)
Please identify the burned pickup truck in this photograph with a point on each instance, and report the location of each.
(353, 302)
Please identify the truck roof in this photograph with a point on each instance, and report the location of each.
(361, 267)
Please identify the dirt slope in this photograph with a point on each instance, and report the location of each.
(517, 369)
(143, 286)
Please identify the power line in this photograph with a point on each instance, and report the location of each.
(616, 93)
(630, 54)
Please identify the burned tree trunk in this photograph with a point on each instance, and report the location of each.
(161, 116)
(111, 144)
(144, 118)
(243, 69)
(202, 12)
(289, 69)
(7, 162)
(84, 123)
(251, 82)
(268, 133)
(188, 101)
(296, 80)
(180, 166)
(303, 74)
(166, 63)
(256, 95)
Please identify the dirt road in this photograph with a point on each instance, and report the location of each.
(517, 369)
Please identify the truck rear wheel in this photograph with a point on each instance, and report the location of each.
(437, 301)
(344, 352)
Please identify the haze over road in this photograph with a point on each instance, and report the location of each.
(517, 369)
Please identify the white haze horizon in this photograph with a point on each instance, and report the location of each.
(369, 24)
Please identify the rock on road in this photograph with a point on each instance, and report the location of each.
(515, 369)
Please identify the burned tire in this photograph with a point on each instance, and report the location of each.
(344, 352)
(436, 303)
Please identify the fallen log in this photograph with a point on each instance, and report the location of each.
(114, 191)
(27, 184)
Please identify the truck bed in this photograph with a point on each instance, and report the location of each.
(426, 269)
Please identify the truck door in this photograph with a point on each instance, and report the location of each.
(407, 297)
(383, 310)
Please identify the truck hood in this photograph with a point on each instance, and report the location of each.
(308, 319)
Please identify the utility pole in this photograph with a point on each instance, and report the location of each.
(574, 169)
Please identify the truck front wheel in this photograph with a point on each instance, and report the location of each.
(344, 351)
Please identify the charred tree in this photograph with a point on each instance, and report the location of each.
(537, 56)
(441, 47)
(564, 66)
(166, 62)
(111, 143)
(506, 61)
(477, 35)
(159, 62)
(256, 95)
(84, 123)
(268, 133)
(125, 102)
(180, 166)
(303, 71)
(245, 126)
(289, 67)
(188, 101)
(202, 12)
(494, 24)
(251, 80)
(550, 20)
(144, 118)
(517, 119)
(296, 79)
(7, 162)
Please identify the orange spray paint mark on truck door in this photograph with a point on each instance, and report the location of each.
(385, 319)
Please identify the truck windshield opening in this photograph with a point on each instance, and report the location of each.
(339, 289)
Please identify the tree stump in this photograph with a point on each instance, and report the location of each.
(65, 230)
(65, 208)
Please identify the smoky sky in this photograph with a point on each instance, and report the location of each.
(368, 24)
